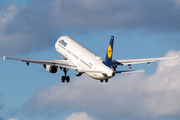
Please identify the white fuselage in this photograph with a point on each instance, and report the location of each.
(83, 59)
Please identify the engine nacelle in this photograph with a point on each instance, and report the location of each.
(50, 68)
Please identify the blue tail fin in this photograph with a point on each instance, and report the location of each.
(109, 53)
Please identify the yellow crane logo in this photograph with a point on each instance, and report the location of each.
(109, 52)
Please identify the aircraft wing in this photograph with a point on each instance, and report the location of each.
(61, 63)
(138, 61)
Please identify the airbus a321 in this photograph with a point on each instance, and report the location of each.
(82, 60)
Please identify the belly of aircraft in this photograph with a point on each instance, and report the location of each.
(98, 76)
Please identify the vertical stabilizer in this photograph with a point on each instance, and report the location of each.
(108, 58)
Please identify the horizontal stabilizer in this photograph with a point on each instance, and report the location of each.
(129, 71)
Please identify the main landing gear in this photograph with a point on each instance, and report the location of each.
(106, 80)
(65, 78)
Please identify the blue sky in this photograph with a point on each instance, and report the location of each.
(142, 29)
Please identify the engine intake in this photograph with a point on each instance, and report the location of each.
(50, 68)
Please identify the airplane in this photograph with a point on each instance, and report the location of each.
(79, 58)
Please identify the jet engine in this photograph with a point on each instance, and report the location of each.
(50, 68)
